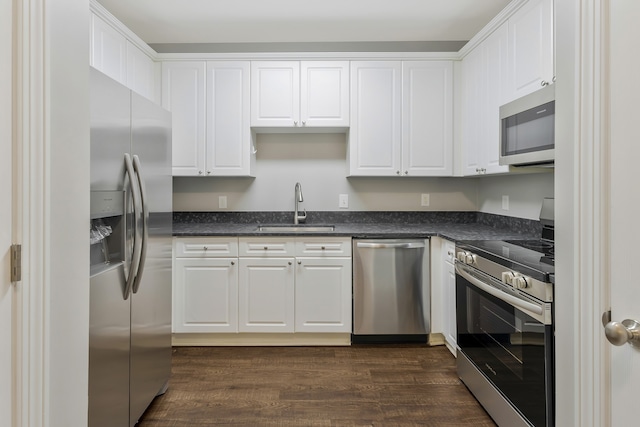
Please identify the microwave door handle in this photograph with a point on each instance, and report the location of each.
(525, 306)
(145, 223)
(137, 244)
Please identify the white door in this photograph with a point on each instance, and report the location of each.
(324, 93)
(275, 93)
(6, 226)
(625, 205)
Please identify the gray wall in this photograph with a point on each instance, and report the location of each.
(319, 163)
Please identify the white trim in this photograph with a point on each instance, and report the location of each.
(324, 56)
(106, 16)
(493, 25)
(30, 134)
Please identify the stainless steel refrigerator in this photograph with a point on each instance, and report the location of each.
(130, 251)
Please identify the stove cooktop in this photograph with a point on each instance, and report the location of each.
(532, 257)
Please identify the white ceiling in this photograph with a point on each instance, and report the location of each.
(306, 21)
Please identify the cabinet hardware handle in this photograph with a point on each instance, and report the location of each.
(199, 172)
(397, 172)
(205, 248)
(406, 172)
(304, 123)
(233, 263)
(289, 262)
(544, 83)
(322, 247)
(295, 123)
(208, 172)
(553, 79)
(299, 262)
(266, 248)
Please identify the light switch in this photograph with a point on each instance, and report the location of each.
(343, 201)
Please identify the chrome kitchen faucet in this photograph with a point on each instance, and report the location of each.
(299, 218)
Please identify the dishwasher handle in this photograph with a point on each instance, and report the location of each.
(398, 245)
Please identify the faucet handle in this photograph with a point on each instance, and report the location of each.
(302, 216)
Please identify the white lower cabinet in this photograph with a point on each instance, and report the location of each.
(266, 295)
(449, 294)
(323, 295)
(262, 284)
(205, 291)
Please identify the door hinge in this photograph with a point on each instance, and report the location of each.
(16, 263)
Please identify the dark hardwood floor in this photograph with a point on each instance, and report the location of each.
(361, 385)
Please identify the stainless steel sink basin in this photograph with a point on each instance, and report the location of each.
(296, 228)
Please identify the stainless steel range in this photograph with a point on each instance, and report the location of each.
(504, 302)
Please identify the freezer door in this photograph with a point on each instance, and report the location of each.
(110, 105)
(151, 301)
(108, 349)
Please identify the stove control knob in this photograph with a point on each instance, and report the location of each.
(507, 277)
(469, 259)
(520, 282)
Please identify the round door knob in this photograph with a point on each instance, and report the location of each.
(621, 333)
(322, 247)
(289, 262)
(205, 248)
(397, 172)
(233, 263)
(266, 248)
(304, 123)
(299, 262)
(295, 123)
(544, 83)
(406, 172)
(199, 172)
(208, 172)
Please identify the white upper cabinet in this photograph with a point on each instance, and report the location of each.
(116, 56)
(427, 118)
(141, 72)
(228, 147)
(375, 137)
(531, 63)
(298, 94)
(401, 118)
(108, 50)
(324, 93)
(210, 106)
(183, 93)
(484, 81)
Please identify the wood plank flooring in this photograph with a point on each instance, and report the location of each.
(361, 385)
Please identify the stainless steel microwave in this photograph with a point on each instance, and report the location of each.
(527, 129)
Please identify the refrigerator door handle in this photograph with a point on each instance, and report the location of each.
(145, 222)
(137, 243)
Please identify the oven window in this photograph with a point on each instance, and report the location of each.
(509, 347)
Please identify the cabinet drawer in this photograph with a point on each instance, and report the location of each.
(448, 251)
(266, 246)
(323, 246)
(207, 247)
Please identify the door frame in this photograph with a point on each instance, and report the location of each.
(582, 236)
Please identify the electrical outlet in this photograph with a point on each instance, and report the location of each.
(424, 200)
(222, 202)
(505, 203)
(343, 201)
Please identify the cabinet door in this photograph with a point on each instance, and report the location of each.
(108, 50)
(266, 295)
(275, 93)
(530, 47)
(375, 136)
(141, 74)
(323, 295)
(205, 295)
(183, 93)
(228, 148)
(324, 94)
(495, 94)
(450, 319)
(427, 118)
(472, 95)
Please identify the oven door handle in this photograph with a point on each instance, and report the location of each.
(509, 299)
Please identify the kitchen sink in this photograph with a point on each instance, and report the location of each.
(286, 228)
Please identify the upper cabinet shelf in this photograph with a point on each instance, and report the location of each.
(299, 94)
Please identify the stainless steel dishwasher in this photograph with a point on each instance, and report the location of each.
(391, 290)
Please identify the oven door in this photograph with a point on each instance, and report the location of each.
(509, 341)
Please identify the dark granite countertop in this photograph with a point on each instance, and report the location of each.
(450, 225)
